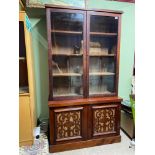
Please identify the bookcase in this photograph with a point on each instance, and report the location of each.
(27, 100)
(83, 57)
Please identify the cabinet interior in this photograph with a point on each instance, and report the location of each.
(23, 73)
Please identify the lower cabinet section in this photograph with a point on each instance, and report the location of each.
(83, 125)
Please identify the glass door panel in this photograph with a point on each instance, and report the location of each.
(67, 54)
(102, 54)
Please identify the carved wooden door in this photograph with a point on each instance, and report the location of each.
(70, 124)
(103, 120)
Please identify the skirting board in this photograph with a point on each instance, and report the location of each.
(26, 143)
(84, 144)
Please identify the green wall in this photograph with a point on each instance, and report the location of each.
(39, 41)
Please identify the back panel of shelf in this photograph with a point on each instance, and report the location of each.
(23, 73)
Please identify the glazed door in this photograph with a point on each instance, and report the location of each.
(67, 40)
(103, 50)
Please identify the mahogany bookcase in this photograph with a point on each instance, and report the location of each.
(83, 58)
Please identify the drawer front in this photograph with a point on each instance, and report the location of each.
(69, 124)
(104, 120)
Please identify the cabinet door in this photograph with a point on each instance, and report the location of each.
(68, 124)
(25, 121)
(103, 50)
(104, 120)
(66, 39)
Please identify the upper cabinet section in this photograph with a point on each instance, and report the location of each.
(83, 49)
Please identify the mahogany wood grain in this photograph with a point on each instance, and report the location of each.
(85, 55)
(84, 144)
(51, 121)
(84, 101)
(118, 55)
(48, 20)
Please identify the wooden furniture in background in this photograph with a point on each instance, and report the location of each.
(127, 123)
(83, 56)
(27, 112)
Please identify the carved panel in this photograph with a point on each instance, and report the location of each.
(68, 124)
(104, 120)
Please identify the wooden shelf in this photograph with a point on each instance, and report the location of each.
(101, 73)
(66, 74)
(66, 32)
(100, 93)
(65, 95)
(65, 54)
(100, 54)
(22, 58)
(103, 33)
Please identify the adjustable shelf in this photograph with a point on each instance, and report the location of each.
(100, 93)
(65, 95)
(66, 54)
(101, 55)
(66, 74)
(101, 73)
(103, 33)
(22, 58)
(66, 32)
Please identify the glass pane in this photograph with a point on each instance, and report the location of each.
(67, 53)
(102, 55)
(104, 24)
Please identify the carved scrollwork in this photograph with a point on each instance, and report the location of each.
(68, 124)
(104, 120)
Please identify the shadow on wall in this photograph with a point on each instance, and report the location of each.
(40, 50)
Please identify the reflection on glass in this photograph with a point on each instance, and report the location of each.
(67, 54)
(102, 52)
(104, 24)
